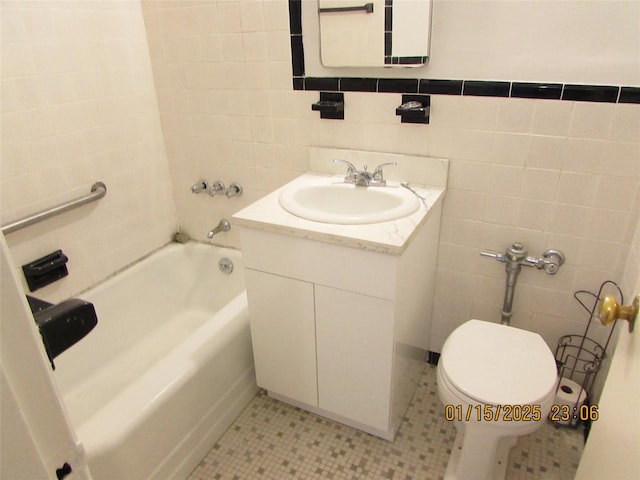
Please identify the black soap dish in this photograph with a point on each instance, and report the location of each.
(45, 270)
(414, 108)
(330, 105)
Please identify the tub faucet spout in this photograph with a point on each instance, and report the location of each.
(223, 226)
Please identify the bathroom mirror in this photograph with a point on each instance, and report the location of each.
(374, 33)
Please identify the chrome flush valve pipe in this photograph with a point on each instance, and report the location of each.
(514, 257)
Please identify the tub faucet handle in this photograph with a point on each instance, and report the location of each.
(200, 186)
(234, 190)
(216, 187)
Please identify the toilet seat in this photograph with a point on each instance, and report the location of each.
(498, 365)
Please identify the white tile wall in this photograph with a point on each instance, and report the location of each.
(547, 173)
(78, 106)
(82, 105)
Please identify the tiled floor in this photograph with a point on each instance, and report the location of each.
(272, 440)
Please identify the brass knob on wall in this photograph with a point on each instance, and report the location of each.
(610, 311)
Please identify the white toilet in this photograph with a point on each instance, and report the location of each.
(482, 366)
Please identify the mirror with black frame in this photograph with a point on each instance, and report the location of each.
(374, 33)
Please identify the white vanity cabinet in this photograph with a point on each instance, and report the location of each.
(339, 307)
(337, 330)
(322, 347)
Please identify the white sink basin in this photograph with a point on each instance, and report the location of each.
(341, 203)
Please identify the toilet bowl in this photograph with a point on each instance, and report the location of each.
(497, 383)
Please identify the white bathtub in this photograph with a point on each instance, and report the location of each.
(166, 370)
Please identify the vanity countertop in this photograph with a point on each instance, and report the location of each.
(391, 237)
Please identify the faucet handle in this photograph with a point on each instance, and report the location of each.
(351, 168)
(379, 167)
(378, 174)
(200, 186)
(234, 190)
(216, 187)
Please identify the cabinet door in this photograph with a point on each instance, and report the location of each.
(355, 355)
(283, 334)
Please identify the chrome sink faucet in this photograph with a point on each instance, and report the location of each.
(364, 178)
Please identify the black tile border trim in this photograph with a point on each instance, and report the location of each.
(591, 93)
(629, 95)
(486, 89)
(549, 91)
(441, 87)
(504, 89)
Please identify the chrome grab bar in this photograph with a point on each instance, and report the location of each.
(367, 7)
(98, 190)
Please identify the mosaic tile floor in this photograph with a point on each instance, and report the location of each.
(272, 440)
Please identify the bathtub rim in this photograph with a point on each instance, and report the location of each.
(165, 248)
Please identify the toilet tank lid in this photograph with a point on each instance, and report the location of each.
(498, 364)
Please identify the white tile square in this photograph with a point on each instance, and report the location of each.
(552, 118)
(278, 45)
(229, 17)
(255, 48)
(252, 15)
(535, 214)
(464, 204)
(616, 193)
(608, 225)
(546, 152)
(576, 188)
(505, 180)
(625, 125)
(584, 155)
(621, 159)
(516, 115)
(511, 149)
(540, 184)
(502, 210)
(569, 220)
(591, 120)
